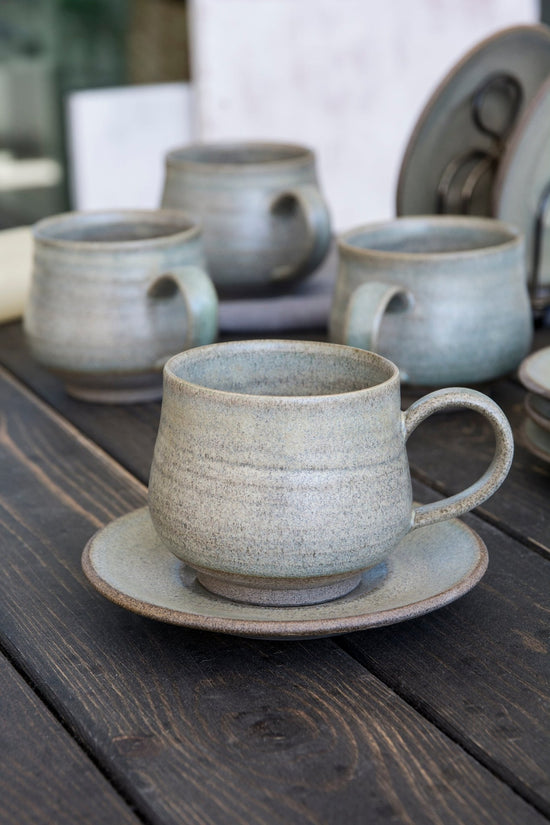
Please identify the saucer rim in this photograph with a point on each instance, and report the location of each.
(505, 203)
(538, 30)
(527, 379)
(285, 628)
(538, 418)
(534, 448)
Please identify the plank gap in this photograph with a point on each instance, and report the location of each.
(82, 438)
(11, 657)
(482, 757)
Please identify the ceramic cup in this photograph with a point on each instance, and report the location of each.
(280, 471)
(445, 298)
(264, 219)
(113, 295)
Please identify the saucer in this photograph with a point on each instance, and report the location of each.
(534, 372)
(430, 567)
(536, 439)
(445, 129)
(538, 409)
(522, 178)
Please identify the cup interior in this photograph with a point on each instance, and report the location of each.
(238, 154)
(112, 227)
(431, 237)
(283, 369)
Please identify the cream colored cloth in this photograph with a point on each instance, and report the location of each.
(15, 271)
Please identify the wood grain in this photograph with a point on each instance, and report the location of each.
(45, 777)
(194, 727)
(127, 431)
(480, 668)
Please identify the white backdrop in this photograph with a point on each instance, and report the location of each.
(347, 77)
(117, 139)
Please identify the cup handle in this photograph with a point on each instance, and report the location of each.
(200, 298)
(492, 478)
(366, 308)
(309, 200)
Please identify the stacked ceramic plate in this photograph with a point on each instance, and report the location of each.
(534, 374)
(481, 145)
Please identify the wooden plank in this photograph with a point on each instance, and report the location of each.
(45, 777)
(196, 727)
(480, 667)
(447, 452)
(127, 432)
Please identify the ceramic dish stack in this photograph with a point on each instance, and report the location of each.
(481, 145)
(534, 374)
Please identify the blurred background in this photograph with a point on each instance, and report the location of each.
(94, 92)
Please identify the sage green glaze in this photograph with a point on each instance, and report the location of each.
(280, 472)
(113, 295)
(445, 298)
(264, 219)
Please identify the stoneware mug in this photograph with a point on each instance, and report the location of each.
(264, 219)
(113, 295)
(280, 471)
(445, 298)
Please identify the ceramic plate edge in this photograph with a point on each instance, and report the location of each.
(295, 628)
(541, 28)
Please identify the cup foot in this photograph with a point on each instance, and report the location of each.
(238, 590)
(117, 389)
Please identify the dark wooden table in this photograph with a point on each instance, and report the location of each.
(108, 717)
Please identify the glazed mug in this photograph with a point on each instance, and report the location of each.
(113, 295)
(445, 298)
(280, 471)
(264, 218)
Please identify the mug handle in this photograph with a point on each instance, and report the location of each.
(494, 475)
(317, 217)
(366, 308)
(200, 298)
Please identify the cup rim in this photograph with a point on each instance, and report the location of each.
(278, 344)
(177, 157)
(190, 228)
(514, 237)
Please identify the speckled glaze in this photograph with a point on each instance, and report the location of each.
(113, 295)
(264, 219)
(445, 298)
(128, 563)
(280, 472)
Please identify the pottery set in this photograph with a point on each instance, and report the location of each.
(114, 294)
(280, 499)
(280, 479)
(534, 373)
